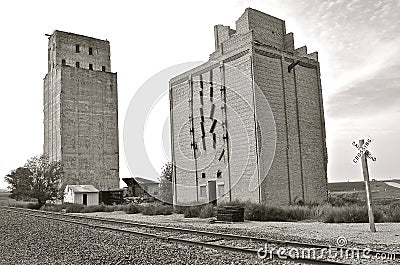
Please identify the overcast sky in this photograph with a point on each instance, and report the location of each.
(358, 43)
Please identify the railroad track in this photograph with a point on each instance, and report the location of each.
(214, 240)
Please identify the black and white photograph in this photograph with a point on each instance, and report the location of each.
(200, 132)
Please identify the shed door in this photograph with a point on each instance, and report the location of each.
(84, 199)
(212, 192)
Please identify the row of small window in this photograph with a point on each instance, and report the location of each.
(78, 49)
(77, 64)
(203, 190)
(219, 175)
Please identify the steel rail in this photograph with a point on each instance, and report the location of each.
(46, 215)
(285, 243)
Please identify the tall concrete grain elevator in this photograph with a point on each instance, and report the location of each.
(81, 110)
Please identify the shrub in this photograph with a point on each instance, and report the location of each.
(350, 214)
(157, 210)
(378, 216)
(93, 208)
(103, 208)
(52, 207)
(132, 209)
(261, 212)
(22, 205)
(180, 209)
(148, 210)
(299, 213)
(164, 210)
(254, 212)
(207, 211)
(393, 212)
(33, 205)
(192, 211)
(236, 203)
(298, 201)
(114, 208)
(346, 199)
(326, 212)
(276, 214)
(74, 208)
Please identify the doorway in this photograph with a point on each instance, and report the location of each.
(84, 199)
(212, 192)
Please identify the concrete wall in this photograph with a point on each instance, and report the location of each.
(63, 46)
(81, 111)
(51, 108)
(90, 128)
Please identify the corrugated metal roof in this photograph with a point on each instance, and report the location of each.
(82, 188)
(141, 180)
(146, 181)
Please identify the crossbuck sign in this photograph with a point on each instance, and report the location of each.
(363, 154)
(363, 150)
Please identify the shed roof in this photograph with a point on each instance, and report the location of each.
(140, 180)
(82, 188)
(146, 181)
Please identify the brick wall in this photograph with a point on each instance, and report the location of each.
(240, 112)
(266, 29)
(241, 172)
(184, 169)
(293, 137)
(282, 145)
(268, 76)
(311, 133)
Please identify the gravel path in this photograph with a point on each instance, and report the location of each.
(29, 240)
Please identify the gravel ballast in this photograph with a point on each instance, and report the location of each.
(31, 240)
(387, 236)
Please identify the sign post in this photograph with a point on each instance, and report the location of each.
(364, 154)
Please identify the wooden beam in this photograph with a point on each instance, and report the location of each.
(292, 65)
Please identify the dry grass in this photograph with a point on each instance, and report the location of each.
(5, 199)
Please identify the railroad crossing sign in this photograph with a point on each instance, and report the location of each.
(364, 154)
(363, 150)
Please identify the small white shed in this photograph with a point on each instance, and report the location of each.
(81, 194)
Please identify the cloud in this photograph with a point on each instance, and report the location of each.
(375, 95)
(354, 38)
(358, 43)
